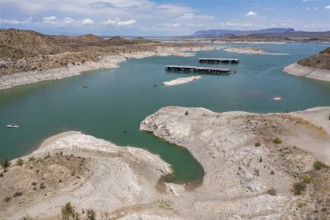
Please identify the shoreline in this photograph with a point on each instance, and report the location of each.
(239, 176)
(307, 72)
(107, 62)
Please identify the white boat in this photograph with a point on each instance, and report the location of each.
(12, 126)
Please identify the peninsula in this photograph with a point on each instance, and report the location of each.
(256, 166)
(315, 67)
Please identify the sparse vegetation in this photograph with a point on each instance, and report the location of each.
(163, 204)
(320, 165)
(186, 113)
(272, 192)
(257, 144)
(5, 164)
(68, 211)
(19, 161)
(32, 159)
(91, 215)
(277, 141)
(306, 179)
(27, 217)
(17, 194)
(256, 172)
(7, 199)
(299, 187)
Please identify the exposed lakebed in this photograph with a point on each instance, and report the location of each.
(110, 104)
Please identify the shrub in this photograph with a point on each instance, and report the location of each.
(20, 161)
(319, 165)
(272, 192)
(17, 194)
(186, 113)
(163, 204)
(68, 211)
(91, 214)
(27, 217)
(277, 141)
(257, 144)
(7, 199)
(299, 187)
(307, 179)
(5, 164)
(32, 158)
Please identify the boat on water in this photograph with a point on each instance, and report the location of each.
(12, 126)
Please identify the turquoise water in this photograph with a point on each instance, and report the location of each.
(116, 101)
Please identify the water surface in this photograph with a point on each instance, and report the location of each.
(116, 101)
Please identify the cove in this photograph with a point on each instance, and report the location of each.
(110, 104)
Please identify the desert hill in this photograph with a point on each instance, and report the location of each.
(319, 61)
(23, 50)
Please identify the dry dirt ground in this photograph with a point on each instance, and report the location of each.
(257, 166)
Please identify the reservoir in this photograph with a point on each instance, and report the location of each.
(110, 104)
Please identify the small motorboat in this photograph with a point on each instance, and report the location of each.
(12, 126)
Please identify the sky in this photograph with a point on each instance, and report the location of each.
(162, 18)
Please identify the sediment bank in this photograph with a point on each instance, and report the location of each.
(308, 72)
(107, 62)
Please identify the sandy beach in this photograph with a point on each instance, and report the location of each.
(107, 62)
(308, 72)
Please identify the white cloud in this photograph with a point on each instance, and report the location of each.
(327, 7)
(118, 22)
(50, 20)
(251, 14)
(15, 21)
(87, 21)
(68, 20)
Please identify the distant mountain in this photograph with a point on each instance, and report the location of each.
(229, 33)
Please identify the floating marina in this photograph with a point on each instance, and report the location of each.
(197, 69)
(219, 60)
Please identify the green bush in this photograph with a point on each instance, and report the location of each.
(299, 187)
(257, 144)
(91, 215)
(319, 165)
(68, 211)
(277, 141)
(5, 164)
(20, 161)
(307, 179)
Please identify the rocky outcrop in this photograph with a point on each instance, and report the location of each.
(314, 67)
(250, 161)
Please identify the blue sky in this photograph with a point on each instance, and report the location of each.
(162, 18)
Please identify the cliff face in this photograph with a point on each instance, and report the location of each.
(319, 61)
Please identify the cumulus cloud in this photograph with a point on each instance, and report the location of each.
(50, 20)
(15, 21)
(327, 7)
(118, 22)
(87, 21)
(251, 14)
